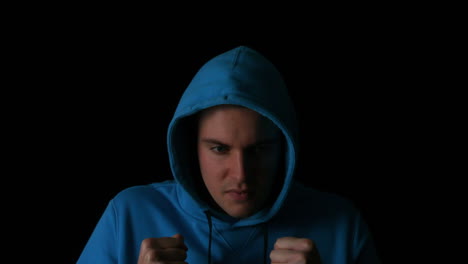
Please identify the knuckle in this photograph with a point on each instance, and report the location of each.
(272, 254)
(300, 258)
(146, 242)
(151, 255)
(307, 245)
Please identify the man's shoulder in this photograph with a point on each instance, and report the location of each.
(145, 191)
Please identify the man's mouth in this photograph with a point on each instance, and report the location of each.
(239, 195)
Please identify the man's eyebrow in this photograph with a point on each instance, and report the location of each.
(212, 141)
(268, 141)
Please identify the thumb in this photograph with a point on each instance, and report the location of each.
(178, 236)
(181, 239)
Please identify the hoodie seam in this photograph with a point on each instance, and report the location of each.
(255, 230)
(357, 244)
(116, 228)
(236, 59)
(222, 237)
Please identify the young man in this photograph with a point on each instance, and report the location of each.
(232, 144)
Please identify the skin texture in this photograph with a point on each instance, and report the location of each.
(295, 250)
(240, 154)
(167, 250)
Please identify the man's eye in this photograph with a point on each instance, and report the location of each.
(263, 147)
(220, 149)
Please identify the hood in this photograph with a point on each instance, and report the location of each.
(240, 76)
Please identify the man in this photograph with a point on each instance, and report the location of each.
(232, 144)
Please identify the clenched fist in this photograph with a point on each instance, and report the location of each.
(163, 250)
(293, 250)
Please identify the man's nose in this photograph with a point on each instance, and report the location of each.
(239, 166)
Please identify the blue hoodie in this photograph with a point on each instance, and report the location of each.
(240, 76)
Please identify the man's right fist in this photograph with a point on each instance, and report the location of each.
(163, 250)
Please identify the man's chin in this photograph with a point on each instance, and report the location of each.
(240, 211)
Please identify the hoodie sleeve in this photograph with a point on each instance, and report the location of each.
(102, 246)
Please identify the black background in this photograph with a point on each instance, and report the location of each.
(101, 92)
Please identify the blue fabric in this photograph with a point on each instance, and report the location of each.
(244, 77)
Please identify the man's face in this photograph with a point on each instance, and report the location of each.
(239, 152)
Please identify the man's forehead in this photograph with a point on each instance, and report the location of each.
(229, 108)
(221, 115)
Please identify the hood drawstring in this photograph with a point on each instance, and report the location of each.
(265, 242)
(210, 225)
(265, 238)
